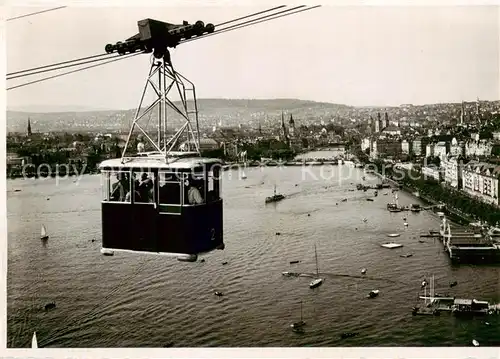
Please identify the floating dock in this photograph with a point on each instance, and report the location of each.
(468, 245)
(464, 306)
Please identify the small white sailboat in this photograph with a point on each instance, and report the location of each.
(243, 175)
(475, 342)
(363, 271)
(317, 281)
(34, 343)
(43, 233)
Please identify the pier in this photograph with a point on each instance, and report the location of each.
(459, 305)
(466, 245)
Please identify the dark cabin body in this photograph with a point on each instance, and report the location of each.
(157, 217)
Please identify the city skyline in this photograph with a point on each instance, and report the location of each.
(377, 56)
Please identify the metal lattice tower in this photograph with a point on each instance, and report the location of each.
(167, 83)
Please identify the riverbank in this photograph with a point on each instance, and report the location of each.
(452, 214)
(229, 165)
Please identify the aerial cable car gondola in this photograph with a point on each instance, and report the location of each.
(166, 200)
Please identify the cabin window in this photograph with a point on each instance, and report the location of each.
(169, 188)
(120, 185)
(105, 184)
(213, 184)
(144, 187)
(194, 187)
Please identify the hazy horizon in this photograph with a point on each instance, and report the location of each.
(79, 108)
(360, 56)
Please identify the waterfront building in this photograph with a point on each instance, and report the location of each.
(480, 180)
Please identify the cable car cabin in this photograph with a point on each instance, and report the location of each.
(170, 208)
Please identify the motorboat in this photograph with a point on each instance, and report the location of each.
(316, 283)
(275, 197)
(391, 245)
(348, 335)
(373, 293)
(415, 208)
(107, 252)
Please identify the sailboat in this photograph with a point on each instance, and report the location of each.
(275, 197)
(318, 281)
(34, 343)
(243, 175)
(427, 309)
(394, 207)
(43, 233)
(300, 323)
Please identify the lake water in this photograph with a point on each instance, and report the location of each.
(131, 300)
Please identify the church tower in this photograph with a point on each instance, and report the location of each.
(291, 126)
(462, 114)
(29, 127)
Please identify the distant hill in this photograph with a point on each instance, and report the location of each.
(229, 111)
(47, 108)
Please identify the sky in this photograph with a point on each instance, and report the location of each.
(354, 55)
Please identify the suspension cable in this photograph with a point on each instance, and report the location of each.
(239, 26)
(73, 71)
(248, 23)
(58, 63)
(35, 13)
(61, 67)
(9, 75)
(247, 16)
(273, 16)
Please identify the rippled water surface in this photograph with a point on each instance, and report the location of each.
(152, 301)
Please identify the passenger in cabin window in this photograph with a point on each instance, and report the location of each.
(120, 188)
(194, 195)
(145, 187)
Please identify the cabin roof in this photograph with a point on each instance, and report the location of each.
(463, 301)
(158, 161)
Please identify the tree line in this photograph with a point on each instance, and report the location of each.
(456, 199)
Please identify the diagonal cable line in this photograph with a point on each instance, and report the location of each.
(253, 21)
(60, 67)
(35, 13)
(107, 54)
(273, 16)
(73, 71)
(247, 16)
(58, 63)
